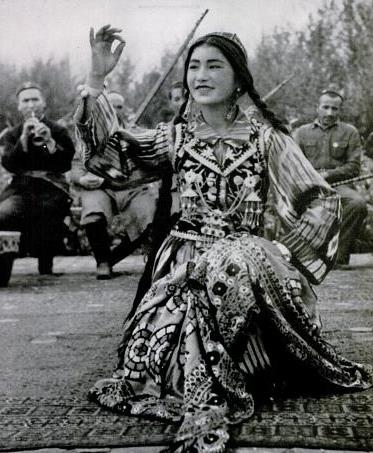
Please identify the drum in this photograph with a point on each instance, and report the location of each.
(9, 246)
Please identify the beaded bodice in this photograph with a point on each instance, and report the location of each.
(222, 181)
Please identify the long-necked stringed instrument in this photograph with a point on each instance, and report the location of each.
(352, 180)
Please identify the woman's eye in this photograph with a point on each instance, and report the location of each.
(193, 66)
(215, 66)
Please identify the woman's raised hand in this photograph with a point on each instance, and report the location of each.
(103, 59)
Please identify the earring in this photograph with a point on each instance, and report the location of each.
(232, 107)
(188, 111)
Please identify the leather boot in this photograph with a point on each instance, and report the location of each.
(99, 241)
(45, 265)
(6, 265)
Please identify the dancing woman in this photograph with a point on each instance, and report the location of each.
(227, 308)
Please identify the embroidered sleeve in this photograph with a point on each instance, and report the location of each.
(309, 209)
(118, 154)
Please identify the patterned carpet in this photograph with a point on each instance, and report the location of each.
(44, 377)
(336, 422)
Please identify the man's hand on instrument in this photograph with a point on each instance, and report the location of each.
(43, 131)
(29, 125)
(103, 59)
(91, 181)
(43, 136)
(28, 128)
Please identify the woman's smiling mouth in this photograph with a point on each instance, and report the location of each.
(204, 89)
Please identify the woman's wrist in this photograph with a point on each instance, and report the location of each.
(96, 81)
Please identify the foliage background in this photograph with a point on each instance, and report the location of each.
(334, 47)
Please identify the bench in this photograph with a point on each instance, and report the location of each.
(9, 247)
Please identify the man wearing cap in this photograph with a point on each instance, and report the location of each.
(37, 153)
(334, 149)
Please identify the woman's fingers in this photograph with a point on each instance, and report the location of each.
(107, 31)
(102, 30)
(116, 30)
(111, 36)
(118, 37)
(105, 34)
(100, 34)
(118, 50)
(104, 58)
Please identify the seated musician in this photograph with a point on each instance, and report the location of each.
(37, 152)
(334, 149)
(101, 201)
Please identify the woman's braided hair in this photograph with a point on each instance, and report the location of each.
(233, 50)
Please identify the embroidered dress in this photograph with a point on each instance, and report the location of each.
(225, 306)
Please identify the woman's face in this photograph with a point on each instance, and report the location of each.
(210, 76)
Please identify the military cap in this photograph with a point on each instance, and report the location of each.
(333, 90)
(27, 86)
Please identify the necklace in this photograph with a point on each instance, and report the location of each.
(215, 223)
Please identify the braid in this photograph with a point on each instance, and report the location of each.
(179, 116)
(266, 112)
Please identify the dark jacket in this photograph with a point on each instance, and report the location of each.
(37, 162)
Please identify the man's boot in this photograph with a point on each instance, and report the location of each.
(45, 265)
(6, 266)
(99, 241)
(9, 250)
